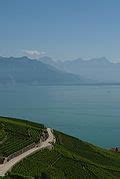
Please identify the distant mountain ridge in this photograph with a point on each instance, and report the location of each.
(98, 69)
(23, 70)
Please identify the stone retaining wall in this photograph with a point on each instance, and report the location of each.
(15, 154)
(20, 152)
(44, 136)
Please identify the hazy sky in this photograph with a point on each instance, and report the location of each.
(62, 29)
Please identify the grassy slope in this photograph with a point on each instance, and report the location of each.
(2, 134)
(71, 158)
(17, 134)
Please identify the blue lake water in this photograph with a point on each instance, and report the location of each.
(91, 113)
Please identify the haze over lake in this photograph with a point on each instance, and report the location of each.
(89, 112)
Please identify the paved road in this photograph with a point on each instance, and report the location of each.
(7, 166)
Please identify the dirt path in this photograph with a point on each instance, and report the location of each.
(7, 166)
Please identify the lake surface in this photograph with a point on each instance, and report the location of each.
(91, 113)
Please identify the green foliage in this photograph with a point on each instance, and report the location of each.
(71, 158)
(88, 151)
(2, 134)
(13, 144)
(18, 134)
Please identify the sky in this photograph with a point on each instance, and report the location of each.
(61, 29)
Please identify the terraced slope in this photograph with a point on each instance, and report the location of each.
(70, 158)
(17, 134)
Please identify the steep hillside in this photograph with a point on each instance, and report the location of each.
(17, 134)
(70, 158)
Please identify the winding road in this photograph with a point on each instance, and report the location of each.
(4, 168)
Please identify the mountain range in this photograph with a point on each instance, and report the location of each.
(46, 71)
(101, 70)
(26, 71)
